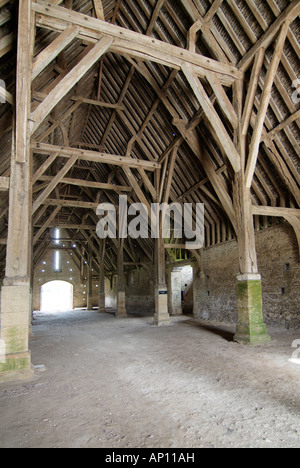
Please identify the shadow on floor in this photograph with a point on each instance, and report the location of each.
(221, 331)
(136, 314)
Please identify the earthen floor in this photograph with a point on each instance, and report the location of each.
(124, 383)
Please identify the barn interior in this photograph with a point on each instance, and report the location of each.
(176, 103)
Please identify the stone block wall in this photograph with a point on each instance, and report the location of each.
(140, 291)
(215, 296)
(187, 285)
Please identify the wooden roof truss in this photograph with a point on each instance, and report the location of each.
(199, 92)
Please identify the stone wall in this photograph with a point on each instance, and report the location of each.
(140, 291)
(187, 286)
(215, 294)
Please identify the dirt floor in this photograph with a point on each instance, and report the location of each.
(124, 383)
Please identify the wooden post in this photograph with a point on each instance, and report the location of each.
(102, 278)
(121, 300)
(245, 227)
(90, 282)
(161, 316)
(121, 307)
(15, 293)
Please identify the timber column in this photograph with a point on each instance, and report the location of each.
(161, 316)
(121, 306)
(90, 287)
(89, 298)
(102, 279)
(15, 293)
(251, 328)
(122, 232)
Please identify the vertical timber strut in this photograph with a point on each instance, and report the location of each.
(161, 316)
(16, 294)
(102, 278)
(121, 301)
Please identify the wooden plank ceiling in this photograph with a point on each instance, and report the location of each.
(128, 106)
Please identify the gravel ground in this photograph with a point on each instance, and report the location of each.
(124, 383)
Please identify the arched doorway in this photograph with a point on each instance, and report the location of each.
(56, 296)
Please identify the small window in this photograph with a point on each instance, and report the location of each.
(56, 236)
(57, 262)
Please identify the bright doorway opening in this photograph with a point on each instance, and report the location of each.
(56, 296)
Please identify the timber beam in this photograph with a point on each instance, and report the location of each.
(132, 43)
(89, 184)
(220, 133)
(93, 156)
(275, 211)
(68, 82)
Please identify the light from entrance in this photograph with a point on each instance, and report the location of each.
(56, 296)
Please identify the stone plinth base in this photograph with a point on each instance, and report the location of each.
(161, 316)
(16, 367)
(90, 302)
(15, 313)
(251, 328)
